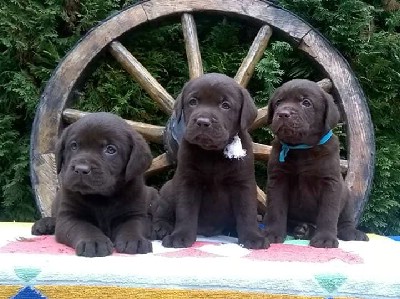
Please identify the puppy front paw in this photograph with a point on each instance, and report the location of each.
(178, 240)
(274, 236)
(94, 247)
(161, 229)
(254, 242)
(303, 231)
(352, 234)
(44, 226)
(140, 245)
(324, 240)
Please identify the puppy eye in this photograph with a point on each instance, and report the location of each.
(74, 145)
(110, 149)
(225, 105)
(306, 103)
(278, 102)
(193, 102)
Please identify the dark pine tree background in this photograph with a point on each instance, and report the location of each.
(36, 34)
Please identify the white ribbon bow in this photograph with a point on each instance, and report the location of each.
(234, 150)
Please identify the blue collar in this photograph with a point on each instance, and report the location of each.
(177, 127)
(285, 147)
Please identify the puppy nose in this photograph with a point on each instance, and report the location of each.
(82, 169)
(203, 122)
(284, 114)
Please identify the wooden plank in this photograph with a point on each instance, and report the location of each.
(151, 133)
(45, 182)
(261, 118)
(257, 10)
(325, 84)
(359, 128)
(261, 196)
(142, 76)
(159, 164)
(261, 151)
(391, 5)
(192, 46)
(246, 69)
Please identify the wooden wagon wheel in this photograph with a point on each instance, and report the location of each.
(52, 110)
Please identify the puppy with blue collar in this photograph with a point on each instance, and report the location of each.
(305, 184)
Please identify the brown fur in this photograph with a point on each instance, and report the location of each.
(102, 201)
(308, 185)
(209, 193)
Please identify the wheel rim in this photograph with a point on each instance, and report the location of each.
(59, 90)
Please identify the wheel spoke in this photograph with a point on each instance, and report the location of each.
(254, 55)
(192, 46)
(261, 196)
(159, 163)
(149, 132)
(142, 76)
(261, 151)
(325, 84)
(260, 119)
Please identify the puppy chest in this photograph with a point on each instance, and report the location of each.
(216, 199)
(305, 189)
(106, 218)
(215, 212)
(305, 196)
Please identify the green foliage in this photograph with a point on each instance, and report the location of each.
(14, 180)
(35, 35)
(269, 71)
(382, 214)
(345, 23)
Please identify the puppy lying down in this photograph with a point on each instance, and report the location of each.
(305, 184)
(213, 189)
(102, 202)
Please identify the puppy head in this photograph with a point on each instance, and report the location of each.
(301, 112)
(100, 152)
(215, 108)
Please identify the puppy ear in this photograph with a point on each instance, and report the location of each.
(270, 112)
(178, 107)
(59, 152)
(140, 157)
(332, 115)
(249, 110)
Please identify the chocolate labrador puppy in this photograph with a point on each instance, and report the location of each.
(214, 188)
(304, 179)
(102, 202)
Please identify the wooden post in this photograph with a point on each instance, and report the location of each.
(192, 46)
(246, 69)
(142, 76)
(151, 133)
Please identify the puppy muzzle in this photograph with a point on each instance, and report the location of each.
(207, 132)
(288, 126)
(87, 177)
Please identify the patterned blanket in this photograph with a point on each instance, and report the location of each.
(38, 267)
